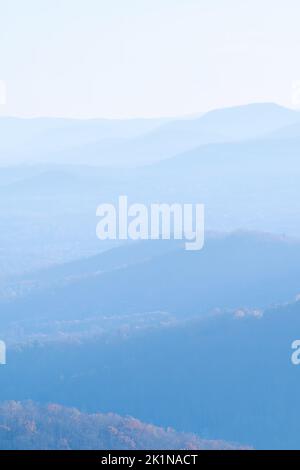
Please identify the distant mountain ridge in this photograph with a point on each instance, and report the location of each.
(137, 141)
(239, 270)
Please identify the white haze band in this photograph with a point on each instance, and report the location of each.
(2, 353)
(158, 221)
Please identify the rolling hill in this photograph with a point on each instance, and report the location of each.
(234, 271)
(228, 376)
(28, 426)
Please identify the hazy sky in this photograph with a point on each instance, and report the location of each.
(128, 58)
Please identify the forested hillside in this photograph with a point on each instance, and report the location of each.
(25, 426)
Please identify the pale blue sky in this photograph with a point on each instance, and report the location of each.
(129, 58)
